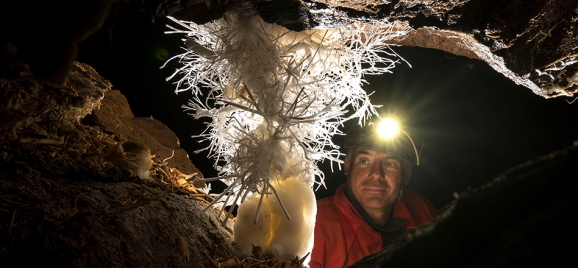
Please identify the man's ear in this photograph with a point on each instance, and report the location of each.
(346, 166)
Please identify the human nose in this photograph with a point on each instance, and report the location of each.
(377, 171)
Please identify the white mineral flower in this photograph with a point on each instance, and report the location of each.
(276, 98)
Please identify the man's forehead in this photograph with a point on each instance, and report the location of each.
(367, 151)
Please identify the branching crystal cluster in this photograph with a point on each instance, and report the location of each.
(276, 97)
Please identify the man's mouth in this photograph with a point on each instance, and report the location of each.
(374, 189)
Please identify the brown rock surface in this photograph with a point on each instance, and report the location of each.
(115, 116)
(68, 195)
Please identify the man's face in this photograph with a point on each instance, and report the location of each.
(375, 178)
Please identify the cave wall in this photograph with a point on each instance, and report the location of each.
(70, 191)
(77, 211)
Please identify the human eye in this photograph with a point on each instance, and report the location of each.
(363, 161)
(392, 164)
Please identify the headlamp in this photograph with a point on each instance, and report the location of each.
(388, 128)
(385, 135)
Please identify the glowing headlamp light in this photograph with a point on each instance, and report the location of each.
(386, 137)
(388, 128)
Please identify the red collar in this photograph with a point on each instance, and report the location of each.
(400, 210)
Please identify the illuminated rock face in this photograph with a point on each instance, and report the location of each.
(70, 173)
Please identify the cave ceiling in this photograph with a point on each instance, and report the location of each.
(530, 42)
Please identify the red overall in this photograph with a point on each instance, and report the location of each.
(342, 236)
